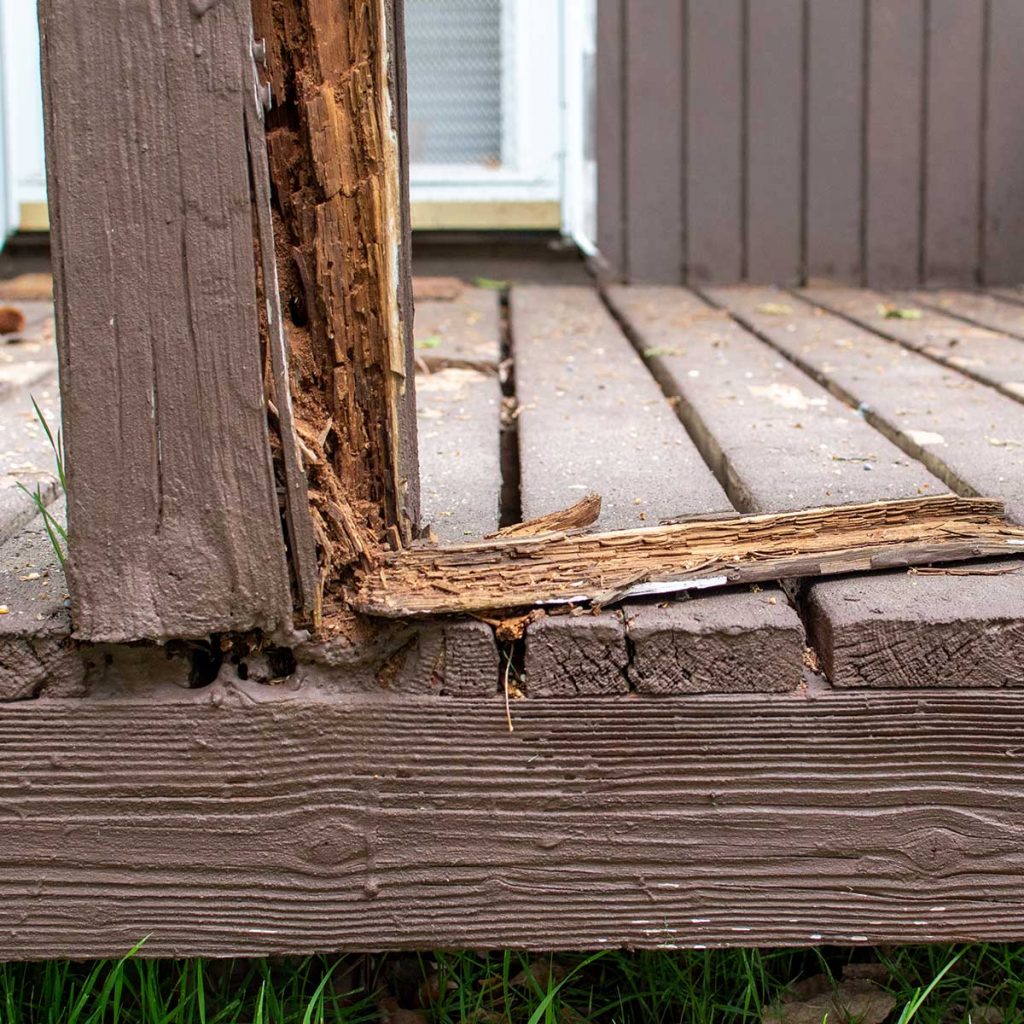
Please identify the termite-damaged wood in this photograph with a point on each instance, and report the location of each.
(608, 567)
(342, 251)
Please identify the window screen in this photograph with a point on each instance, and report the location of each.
(454, 61)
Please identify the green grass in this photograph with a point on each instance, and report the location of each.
(932, 985)
(54, 528)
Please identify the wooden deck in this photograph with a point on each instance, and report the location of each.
(672, 403)
(835, 761)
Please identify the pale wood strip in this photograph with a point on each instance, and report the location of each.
(421, 823)
(967, 434)
(986, 355)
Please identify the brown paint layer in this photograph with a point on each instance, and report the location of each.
(174, 520)
(246, 821)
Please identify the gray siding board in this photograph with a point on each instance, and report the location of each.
(953, 153)
(835, 139)
(654, 140)
(859, 141)
(894, 136)
(714, 179)
(611, 134)
(1004, 145)
(774, 148)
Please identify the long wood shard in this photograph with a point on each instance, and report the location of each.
(607, 567)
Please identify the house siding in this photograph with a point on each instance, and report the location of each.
(875, 142)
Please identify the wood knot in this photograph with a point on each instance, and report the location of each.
(200, 7)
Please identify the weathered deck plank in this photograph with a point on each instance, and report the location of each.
(993, 310)
(245, 821)
(459, 431)
(986, 355)
(779, 440)
(864, 614)
(592, 418)
(966, 433)
(461, 332)
(960, 630)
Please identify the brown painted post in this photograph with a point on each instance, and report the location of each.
(173, 508)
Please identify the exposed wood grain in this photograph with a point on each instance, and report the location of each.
(720, 643)
(953, 161)
(983, 354)
(603, 568)
(714, 150)
(835, 139)
(241, 825)
(894, 117)
(654, 140)
(584, 656)
(774, 151)
(337, 77)
(964, 432)
(900, 628)
(593, 420)
(174, 521)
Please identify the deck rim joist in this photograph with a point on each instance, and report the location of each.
(317, 824)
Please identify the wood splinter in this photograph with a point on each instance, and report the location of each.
(602, 568)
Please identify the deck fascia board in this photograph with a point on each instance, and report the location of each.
(246, 820)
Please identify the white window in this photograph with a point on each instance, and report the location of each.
(486, 112)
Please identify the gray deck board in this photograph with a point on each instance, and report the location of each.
(985, 354)
(459, 428)
(917, 403)
(464, 331)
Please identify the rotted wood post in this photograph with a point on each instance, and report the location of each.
(188, 508)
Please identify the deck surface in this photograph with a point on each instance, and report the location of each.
(829, 762)
(671, 403)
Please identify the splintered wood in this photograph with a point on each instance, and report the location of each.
(340, 239)
(604, 568)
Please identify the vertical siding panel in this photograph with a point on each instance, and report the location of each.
(774, 140)
(953, 160)
(1004, 145)
(611, 134)
(714, 141)
(835, 141)
(654, 141)
(895, 111)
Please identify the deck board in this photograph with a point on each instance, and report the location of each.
(593, 419)
(458, 415)
(982, 353)
(461, 332)
(853, 623)
(967, 434)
